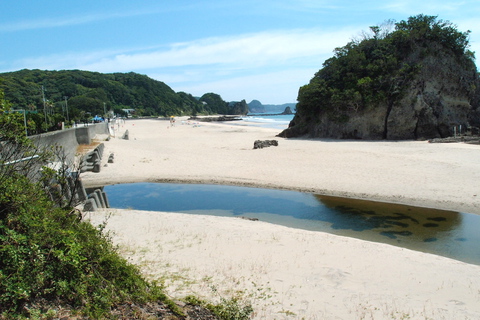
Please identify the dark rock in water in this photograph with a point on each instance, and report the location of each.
(394, 234)
(430, 225)
(259, 144)
(400, 224)
(438, 219)
(248, 218)
(288, 110)
(219, 118)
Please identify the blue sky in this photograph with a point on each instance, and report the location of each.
(240, 49)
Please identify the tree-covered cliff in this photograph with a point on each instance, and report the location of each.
(90, 93)
(408, 80)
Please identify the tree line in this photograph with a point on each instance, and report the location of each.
(51, 97)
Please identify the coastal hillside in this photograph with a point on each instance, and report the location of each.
(90, 93)
(418, 81)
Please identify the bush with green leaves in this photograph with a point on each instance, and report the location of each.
(234, 308)
(48, 252)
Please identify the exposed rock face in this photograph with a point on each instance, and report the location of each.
(437, 99)
(474, 117)
(419, 82)
(236, 107)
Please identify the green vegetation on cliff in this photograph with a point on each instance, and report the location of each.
(379, 70)
(87, 94)
(88, 91)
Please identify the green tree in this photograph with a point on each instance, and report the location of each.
(373, 71)
(87, 91)
(214, 103)
(428, 28)
(48, 254)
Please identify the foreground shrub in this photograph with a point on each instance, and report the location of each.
(50, 253)
(234, 308)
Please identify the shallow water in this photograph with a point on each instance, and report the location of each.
(446, 233)
(279, 122)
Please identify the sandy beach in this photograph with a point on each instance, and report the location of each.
(288, 273)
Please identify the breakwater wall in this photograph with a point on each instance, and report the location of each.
(70, 139)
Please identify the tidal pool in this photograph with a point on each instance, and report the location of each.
(446, 233)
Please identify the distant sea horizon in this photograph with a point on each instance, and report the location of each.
(268, 120)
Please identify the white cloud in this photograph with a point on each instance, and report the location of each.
(428, 7)
(312, 5)
(71, 20)
(248, 51)
(52, 23)
(256, 64)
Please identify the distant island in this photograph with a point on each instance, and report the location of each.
(287, 111)
(256, 106)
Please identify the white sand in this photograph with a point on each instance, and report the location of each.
(288, 273)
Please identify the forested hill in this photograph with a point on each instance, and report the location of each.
(92, 92)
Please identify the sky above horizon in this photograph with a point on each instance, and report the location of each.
(241, 49)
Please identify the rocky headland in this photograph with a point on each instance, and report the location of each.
(417, 82)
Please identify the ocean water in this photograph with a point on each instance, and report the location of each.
(279, 122)
(446, 233)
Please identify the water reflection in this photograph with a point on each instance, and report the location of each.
(446, 233)
(391, 220)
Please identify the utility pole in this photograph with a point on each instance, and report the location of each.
(104, 111)
(66, 106)
(24, 119)
(44, 104)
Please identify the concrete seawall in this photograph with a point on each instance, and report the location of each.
(71, 138)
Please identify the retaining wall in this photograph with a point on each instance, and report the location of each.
(70, 138)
